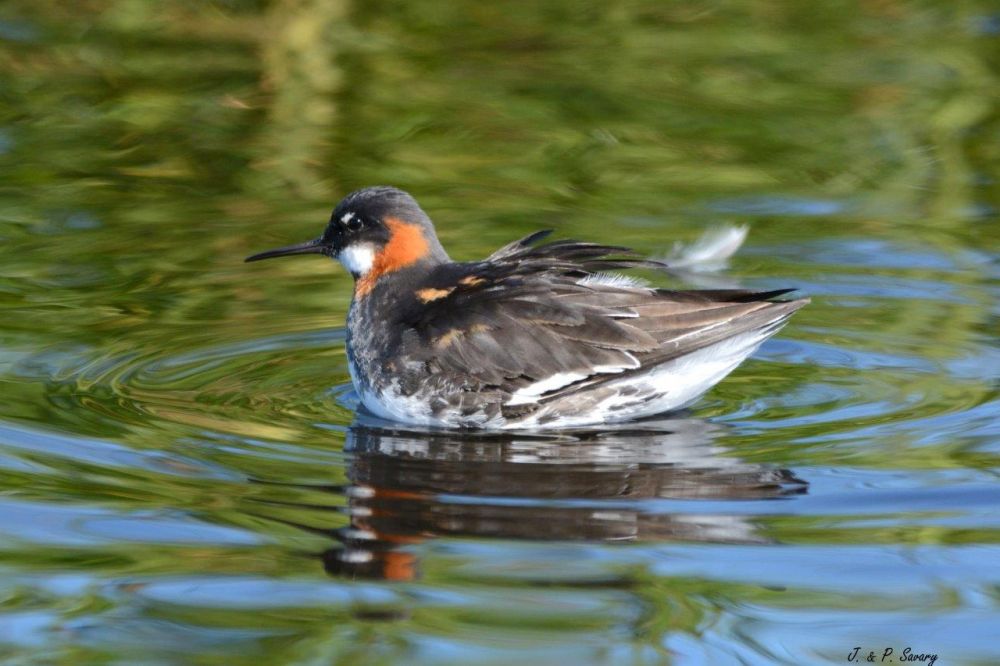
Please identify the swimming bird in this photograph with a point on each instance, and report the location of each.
(537, 335)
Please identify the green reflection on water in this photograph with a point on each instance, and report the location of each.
(169, 415)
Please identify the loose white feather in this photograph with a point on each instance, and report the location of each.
(710, 252)
(612, 280)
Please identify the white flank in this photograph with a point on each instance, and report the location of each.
(685, 379)
(357, 259)
(664, 388)
(710, 252)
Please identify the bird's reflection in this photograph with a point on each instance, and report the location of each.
(407, 487)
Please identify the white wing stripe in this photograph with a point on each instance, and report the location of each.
(532, 392)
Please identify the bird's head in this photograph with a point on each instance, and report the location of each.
(373, 232)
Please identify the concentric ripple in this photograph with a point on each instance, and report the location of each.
(279, 381)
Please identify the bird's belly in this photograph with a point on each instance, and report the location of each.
(420, 399)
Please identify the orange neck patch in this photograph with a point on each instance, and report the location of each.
(407, 245)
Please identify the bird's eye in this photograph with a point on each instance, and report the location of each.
(355, 223)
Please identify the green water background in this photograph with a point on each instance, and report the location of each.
(183, 479)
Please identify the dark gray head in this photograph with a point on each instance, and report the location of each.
(372, 232)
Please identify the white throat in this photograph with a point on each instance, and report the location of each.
(358, 258)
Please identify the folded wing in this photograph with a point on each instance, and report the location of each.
(535, 322)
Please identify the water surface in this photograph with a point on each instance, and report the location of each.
(183, 476)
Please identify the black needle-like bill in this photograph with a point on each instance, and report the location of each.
(309, 247)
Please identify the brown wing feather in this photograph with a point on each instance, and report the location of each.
(522, 316)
